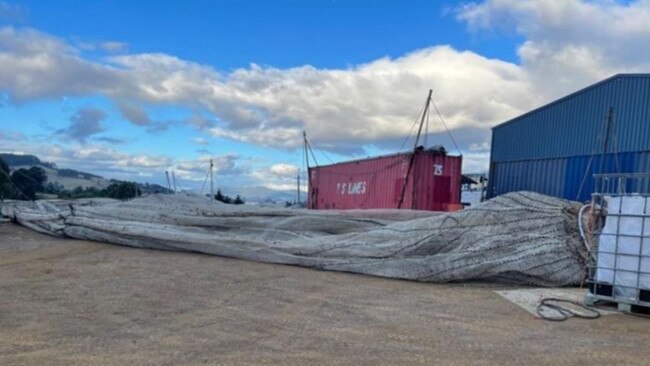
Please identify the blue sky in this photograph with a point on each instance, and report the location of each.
(231, 34)
(128, 89)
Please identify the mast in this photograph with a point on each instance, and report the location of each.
(424, 115)
(305, 147)
(415, 149)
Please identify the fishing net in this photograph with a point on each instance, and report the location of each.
(522, 237)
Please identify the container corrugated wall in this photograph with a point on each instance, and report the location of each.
(377, 183)
(548, 150)
(437, 182)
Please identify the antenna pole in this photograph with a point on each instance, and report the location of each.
(211, 181)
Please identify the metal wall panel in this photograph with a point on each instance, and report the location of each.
(570, 178)
(437, 182)
(542, 176)
(574, 125)
(377, 183)
(579, 183)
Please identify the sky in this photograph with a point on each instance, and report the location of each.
(130, 89)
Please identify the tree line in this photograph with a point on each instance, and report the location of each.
(238, 200)
(24, 184)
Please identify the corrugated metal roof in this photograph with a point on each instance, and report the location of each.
(574, 125)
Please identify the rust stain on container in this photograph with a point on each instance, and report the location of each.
(434, 183)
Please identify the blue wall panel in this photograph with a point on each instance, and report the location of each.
(575, 125)
(548, 150)
(569, 178)
(542, 176)
(579, 183)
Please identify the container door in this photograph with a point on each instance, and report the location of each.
(441, 192)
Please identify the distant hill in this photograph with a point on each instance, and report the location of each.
(70, 178)
(260, 194)
(25, 160)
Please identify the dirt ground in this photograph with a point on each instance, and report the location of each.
(66, 302)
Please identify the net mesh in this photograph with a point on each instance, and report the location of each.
(521, 237)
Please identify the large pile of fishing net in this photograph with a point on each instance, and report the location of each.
(520, 237)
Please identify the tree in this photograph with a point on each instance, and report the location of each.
(53, 188)
(29, 181)
(123, 190)
(222, 197)
(239, 200)
(6, 189)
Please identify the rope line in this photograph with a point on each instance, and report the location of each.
(445, 125)
(564, 312)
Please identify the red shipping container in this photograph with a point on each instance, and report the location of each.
(433, 184)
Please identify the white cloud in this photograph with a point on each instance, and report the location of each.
(196, 169)
(275, 137)
(284, 170)
(569, 43)
(279, 177)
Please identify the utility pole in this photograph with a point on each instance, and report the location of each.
(298, 191)
(415, 148)
(169, 184)
(211, 181)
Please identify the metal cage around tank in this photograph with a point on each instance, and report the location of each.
(619, 257)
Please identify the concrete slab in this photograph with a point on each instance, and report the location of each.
(529, 298)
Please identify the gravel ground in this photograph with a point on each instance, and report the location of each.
(66, 302)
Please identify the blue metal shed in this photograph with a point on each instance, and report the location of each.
(556, 149)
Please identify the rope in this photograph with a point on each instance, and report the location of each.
(564, 312)
(415, 123)
(312, 153)
(445, 125)
(205, 180)
(322, 151)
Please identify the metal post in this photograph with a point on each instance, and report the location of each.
(610, 120)
(169, 184)
(304, 137)
(211, 182)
